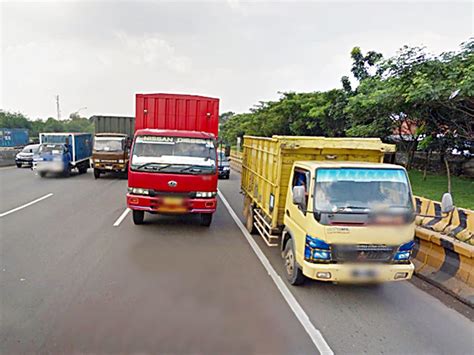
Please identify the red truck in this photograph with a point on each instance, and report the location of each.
(173, 164)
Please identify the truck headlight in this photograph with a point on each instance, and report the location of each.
(96, 160)
(316, 250)
(205, 194)
(138, 191)
(404, 251)
(226, 168)
(121, 161)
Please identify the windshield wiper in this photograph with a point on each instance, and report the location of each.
(344, 208)
(150, 164)
(191, 167)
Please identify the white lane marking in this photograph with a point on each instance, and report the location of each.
(122, 217)
(299, 312)
(26, 205)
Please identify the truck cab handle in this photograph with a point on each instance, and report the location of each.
(288, 213)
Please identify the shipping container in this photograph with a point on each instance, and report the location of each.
(179, 112)
(114, 124)
(13, 137)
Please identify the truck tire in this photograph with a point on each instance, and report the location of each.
(206, 219)
(67, 172)
(249, 222)
(138, 217)
(293, 273)
(83, 168)
(96, 173)
(18, 165)
(42, 174)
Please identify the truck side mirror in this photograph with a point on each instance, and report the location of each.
(447, 203)
(298, 195)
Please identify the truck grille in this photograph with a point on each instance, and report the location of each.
(362, 253)
(155, 193)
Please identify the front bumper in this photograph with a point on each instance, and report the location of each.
(358, 273)
(24, 161)
(118, 167)
(49, 166)
(156, 204)
(224, 173)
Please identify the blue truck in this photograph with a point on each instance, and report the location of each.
(59, 153)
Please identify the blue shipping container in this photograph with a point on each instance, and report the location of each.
(13, 137)
(80, 144)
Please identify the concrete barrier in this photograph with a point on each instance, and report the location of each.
(7, 156)
(444, 249)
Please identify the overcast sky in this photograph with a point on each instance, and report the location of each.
(98, 54)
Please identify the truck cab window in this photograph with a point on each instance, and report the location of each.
(301, 178)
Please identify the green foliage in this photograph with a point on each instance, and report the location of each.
(435, 185)
(432, 96)
(18, 120)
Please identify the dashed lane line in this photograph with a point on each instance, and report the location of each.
(26, 205)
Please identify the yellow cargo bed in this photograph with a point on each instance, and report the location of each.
(267, 163)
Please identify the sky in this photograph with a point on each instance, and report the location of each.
(97, 54)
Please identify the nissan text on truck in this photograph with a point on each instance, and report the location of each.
(112, 141)
(59, 153)
(339, 213)
(173, 165)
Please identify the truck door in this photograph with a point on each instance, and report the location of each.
(296, 216)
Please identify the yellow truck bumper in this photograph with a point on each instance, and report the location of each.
(358, 273)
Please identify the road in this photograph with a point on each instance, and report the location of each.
(71, 281)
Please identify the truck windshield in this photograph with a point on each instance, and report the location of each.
(108, 144)
(174, 155)
(56, 149)
(362, 190)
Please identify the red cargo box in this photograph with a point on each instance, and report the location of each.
(180, 112)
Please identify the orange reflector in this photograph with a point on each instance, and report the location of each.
(209, 204)
(133, 200)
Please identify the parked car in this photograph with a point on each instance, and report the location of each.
(25, 157)
(223, 166)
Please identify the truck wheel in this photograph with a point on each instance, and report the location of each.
(18, 165)
(293, 273)
(67, 172)
(249, 222)
(96, 173)
(206, 219)
(42, 173)
(138, 217)
(83, 169)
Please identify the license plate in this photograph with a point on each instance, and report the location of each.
(170, 209)
(173, 201)
(109, 167)
(366, 273)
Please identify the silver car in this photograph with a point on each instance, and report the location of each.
(25, 157)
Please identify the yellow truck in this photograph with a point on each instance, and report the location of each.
(336, 210)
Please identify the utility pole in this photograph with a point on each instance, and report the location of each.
(57, 107)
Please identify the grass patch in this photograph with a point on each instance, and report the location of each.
(436, 184)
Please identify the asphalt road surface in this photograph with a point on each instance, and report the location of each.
(71, 281)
